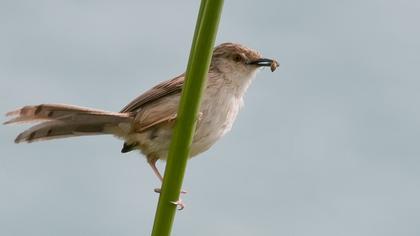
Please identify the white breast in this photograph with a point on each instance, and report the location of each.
(221, 103)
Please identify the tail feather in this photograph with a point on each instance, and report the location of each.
(48, 112)
(60, 121)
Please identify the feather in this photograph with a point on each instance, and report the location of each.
(59, 121)
(44, 112)
(159, 91)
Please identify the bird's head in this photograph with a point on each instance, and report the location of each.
(239, 61)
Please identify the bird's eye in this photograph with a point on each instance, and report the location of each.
(237, 58)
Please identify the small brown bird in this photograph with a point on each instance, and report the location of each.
(146, 123)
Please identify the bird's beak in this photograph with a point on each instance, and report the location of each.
(273, 64)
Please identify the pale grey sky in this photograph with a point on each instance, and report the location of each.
(327, 145)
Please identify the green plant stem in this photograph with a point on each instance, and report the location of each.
(197, 69)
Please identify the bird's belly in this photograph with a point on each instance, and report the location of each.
(216, 120)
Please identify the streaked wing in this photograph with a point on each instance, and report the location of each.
(161, 90)
(158, 105)
(161, 111)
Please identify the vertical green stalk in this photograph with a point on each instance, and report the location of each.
(197, 69)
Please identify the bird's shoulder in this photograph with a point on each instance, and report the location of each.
(159, 91)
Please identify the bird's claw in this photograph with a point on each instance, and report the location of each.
(179, 204)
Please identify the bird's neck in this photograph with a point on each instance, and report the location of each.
(239, 82)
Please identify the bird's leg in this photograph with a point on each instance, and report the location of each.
(152, 163)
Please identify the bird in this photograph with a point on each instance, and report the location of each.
(146, 123)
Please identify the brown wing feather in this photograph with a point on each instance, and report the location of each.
(158, 105)
(160, 111)
(161, 90)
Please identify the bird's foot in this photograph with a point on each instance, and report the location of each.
(158, 190)
(179, 204)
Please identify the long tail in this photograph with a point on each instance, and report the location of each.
(60, 121)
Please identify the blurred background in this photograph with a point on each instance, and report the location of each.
(326, 145)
